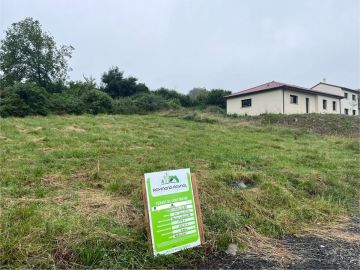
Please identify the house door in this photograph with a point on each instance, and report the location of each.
(307, 105)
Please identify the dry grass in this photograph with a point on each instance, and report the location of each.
(335, 230)
(73, 128)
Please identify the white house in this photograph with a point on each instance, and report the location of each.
(276, 97)
(349, 104)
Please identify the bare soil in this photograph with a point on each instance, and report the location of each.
(336, 246)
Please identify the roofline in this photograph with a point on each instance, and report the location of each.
(303, 90)
(342, 88)
(251, 93)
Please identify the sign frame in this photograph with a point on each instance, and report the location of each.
(195, 194)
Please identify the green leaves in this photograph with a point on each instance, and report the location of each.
(27, 53)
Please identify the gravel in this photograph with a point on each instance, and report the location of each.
(312, 251)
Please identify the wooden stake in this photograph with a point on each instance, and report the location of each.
(147, 218)
(98, 168)
(198, 208)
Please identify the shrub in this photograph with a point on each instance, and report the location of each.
(81, 98)
(96, 101)
(216, 97)
(180, 99)
(143, 103)
(150, 103)
(24, 99)
(65, 103)
(124, 106)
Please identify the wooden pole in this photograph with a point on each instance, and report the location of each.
(147, 218)
(198, 208)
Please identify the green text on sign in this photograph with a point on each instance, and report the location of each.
(172, 213)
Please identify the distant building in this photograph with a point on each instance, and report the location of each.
(349, 104)
(276, 97)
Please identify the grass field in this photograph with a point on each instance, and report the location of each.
(57, 211)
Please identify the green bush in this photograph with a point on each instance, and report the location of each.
(65, 103)
(81, 98)
(143, 103)
(24, 99)
(124, 106)
(96, 101)
(150, 103)
(216, 97)
(172, 95)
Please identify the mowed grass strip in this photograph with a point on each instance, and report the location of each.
(58, 211)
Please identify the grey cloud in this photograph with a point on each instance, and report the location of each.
(215, 44)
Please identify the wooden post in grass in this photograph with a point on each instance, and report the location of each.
(98, 168)
(147, 219)
(198, 208)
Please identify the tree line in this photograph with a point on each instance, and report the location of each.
(33, 81)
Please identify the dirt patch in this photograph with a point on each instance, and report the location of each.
(63, 257)
(334, 246)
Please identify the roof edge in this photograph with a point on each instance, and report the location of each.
(293, 88)
(338, 86)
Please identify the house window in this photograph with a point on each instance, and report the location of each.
(346, 95)
(246, 103)
(354, 112)
(324, 104)
(334, 105)
(353, 97)
(346, 111)
(293, 99)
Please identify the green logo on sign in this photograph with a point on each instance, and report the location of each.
(169, 179)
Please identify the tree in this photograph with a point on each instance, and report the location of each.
(23, 99)
(216, 97)
(27, 53)
(195, 92)
(118, 86)
(167, 94)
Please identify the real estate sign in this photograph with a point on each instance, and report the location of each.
(171, 211)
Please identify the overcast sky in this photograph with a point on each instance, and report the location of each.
(181, 44)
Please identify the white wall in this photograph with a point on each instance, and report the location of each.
(329, 108)
(349, 103)
(346, 103)
(329, 89)
(300, 107)
(264, 102)
(272, 102)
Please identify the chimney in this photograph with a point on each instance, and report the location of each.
(324, 80)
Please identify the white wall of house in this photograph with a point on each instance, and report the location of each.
(272, 102)
(350, 103)
(346, 103)
(300, 106)
(331, 89)
(329, 104)
(264, 102)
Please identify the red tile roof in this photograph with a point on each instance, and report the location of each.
(275, 85)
